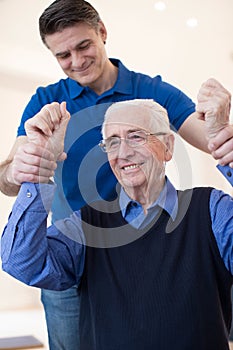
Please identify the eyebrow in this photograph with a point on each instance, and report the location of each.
(85, 41)
(128, 132)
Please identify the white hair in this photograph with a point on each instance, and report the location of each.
(159, 121)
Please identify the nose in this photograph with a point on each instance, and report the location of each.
(125, 150)
(77, 59)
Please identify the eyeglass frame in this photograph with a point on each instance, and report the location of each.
(102, 143)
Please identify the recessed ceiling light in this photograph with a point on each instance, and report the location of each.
(160, 6)
(192, 22)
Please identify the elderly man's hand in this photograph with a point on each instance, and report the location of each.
(213, 106)
(35, 160)
(48, 127)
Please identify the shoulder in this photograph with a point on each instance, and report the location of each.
(220, 200)
(55, 89)
(136, 77)
(43, 95)
(194, 200)
(58, 91)
(195, 193)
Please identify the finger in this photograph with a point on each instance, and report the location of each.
(33, 164)
(225, 136)
(223, 150)
(32, 170)
(34, 150)
(215, 97)
(39, 124)
(63, 108)
(53, 113)
(28, 173)
(60, 132)
(44, 121)
(64, 112)
(212, 88)
(226, 160)
(62, 157)
(211, 82)
(32, 178)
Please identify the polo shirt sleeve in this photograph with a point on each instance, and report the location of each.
(179, 106)
(33, 107)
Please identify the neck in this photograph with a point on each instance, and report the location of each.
(145, 196)
(107, 80)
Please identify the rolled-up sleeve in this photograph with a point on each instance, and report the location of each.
(36, 255)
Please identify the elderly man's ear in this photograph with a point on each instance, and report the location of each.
(169, 146)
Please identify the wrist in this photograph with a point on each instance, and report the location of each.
(213, 129)
(7, 185)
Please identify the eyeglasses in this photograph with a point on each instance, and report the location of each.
(133, 139)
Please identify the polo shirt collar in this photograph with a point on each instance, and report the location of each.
(123, 83)
(75, 88)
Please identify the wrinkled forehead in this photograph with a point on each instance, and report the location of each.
(135, 117)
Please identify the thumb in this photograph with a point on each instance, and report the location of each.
(65, 117)
(58, 136)
(62, 157)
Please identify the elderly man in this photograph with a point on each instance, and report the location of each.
(154, 267)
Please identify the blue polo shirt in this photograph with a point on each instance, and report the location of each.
(85, 175)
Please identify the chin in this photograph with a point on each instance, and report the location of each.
(131, 184)
(82, 79)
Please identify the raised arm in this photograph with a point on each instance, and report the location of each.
(33, 157)
(215, 112)
(35, 255)
(208, 128)
(47, 129)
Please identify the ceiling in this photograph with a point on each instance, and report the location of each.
(147, 40)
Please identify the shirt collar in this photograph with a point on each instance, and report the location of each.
(167, 200)
(123, 84)
(75, 88)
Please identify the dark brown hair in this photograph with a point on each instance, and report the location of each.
(62, 14)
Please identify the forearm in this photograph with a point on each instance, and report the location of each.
(23, 234)
(31, 253)
(6, 187)
(193, 131)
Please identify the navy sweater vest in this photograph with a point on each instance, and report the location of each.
(166, 289)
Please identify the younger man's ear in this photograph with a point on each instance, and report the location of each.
(103, 31)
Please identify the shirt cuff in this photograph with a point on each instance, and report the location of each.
(36, 197)
(227, 172)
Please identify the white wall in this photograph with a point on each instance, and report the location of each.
(146, 41)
